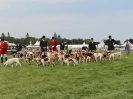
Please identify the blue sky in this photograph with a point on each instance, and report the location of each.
(69, 18)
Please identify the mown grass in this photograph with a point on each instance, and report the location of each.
(101, 80)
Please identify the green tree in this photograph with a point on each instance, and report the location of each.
(131, 41)
(55, 35)
(8, 34)
(87, 41)
(118, 42)
(27, 35)
(59, 37)
(11, 39)
(3, 35)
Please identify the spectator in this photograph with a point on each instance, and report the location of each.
(62, 46)
(127, 47)
(3, 49)
(18, 46)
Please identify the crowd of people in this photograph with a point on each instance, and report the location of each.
(44, 44)
(92, 46)
(110, 42)
(110, 45)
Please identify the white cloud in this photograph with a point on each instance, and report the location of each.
(6, 4)
(69, 26)
(62, 1)
(63, 24)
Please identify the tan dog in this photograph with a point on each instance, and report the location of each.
(69, 61)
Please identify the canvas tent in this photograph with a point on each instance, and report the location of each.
(36, 45)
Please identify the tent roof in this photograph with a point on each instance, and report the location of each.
(37, 43)
(12, 44)
(84, 44)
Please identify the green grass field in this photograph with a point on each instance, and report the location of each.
(101, 80)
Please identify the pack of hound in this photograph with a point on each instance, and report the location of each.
(51, 58)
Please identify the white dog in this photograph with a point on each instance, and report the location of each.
(43, 62)
(112, 56)
(118, 55)
(98, 56)
(12, 61)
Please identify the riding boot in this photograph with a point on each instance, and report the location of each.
(5, 58)
(1, 59)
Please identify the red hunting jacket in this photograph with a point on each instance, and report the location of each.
(3, 47)
(54, 43)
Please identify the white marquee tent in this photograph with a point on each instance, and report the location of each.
(36, 45)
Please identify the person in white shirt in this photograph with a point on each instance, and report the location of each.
(127, 47)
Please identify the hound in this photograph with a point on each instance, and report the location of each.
(98, 55)
(12, 61)
(118, 55)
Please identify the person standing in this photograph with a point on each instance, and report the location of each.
(54, 43)
(3, 49)
(43, 45)
(67, 50)
(19, 48)
(127, 47)
(92, 45)
(62, 46)
(110, 43)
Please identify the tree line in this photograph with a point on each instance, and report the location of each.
(27, 39)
